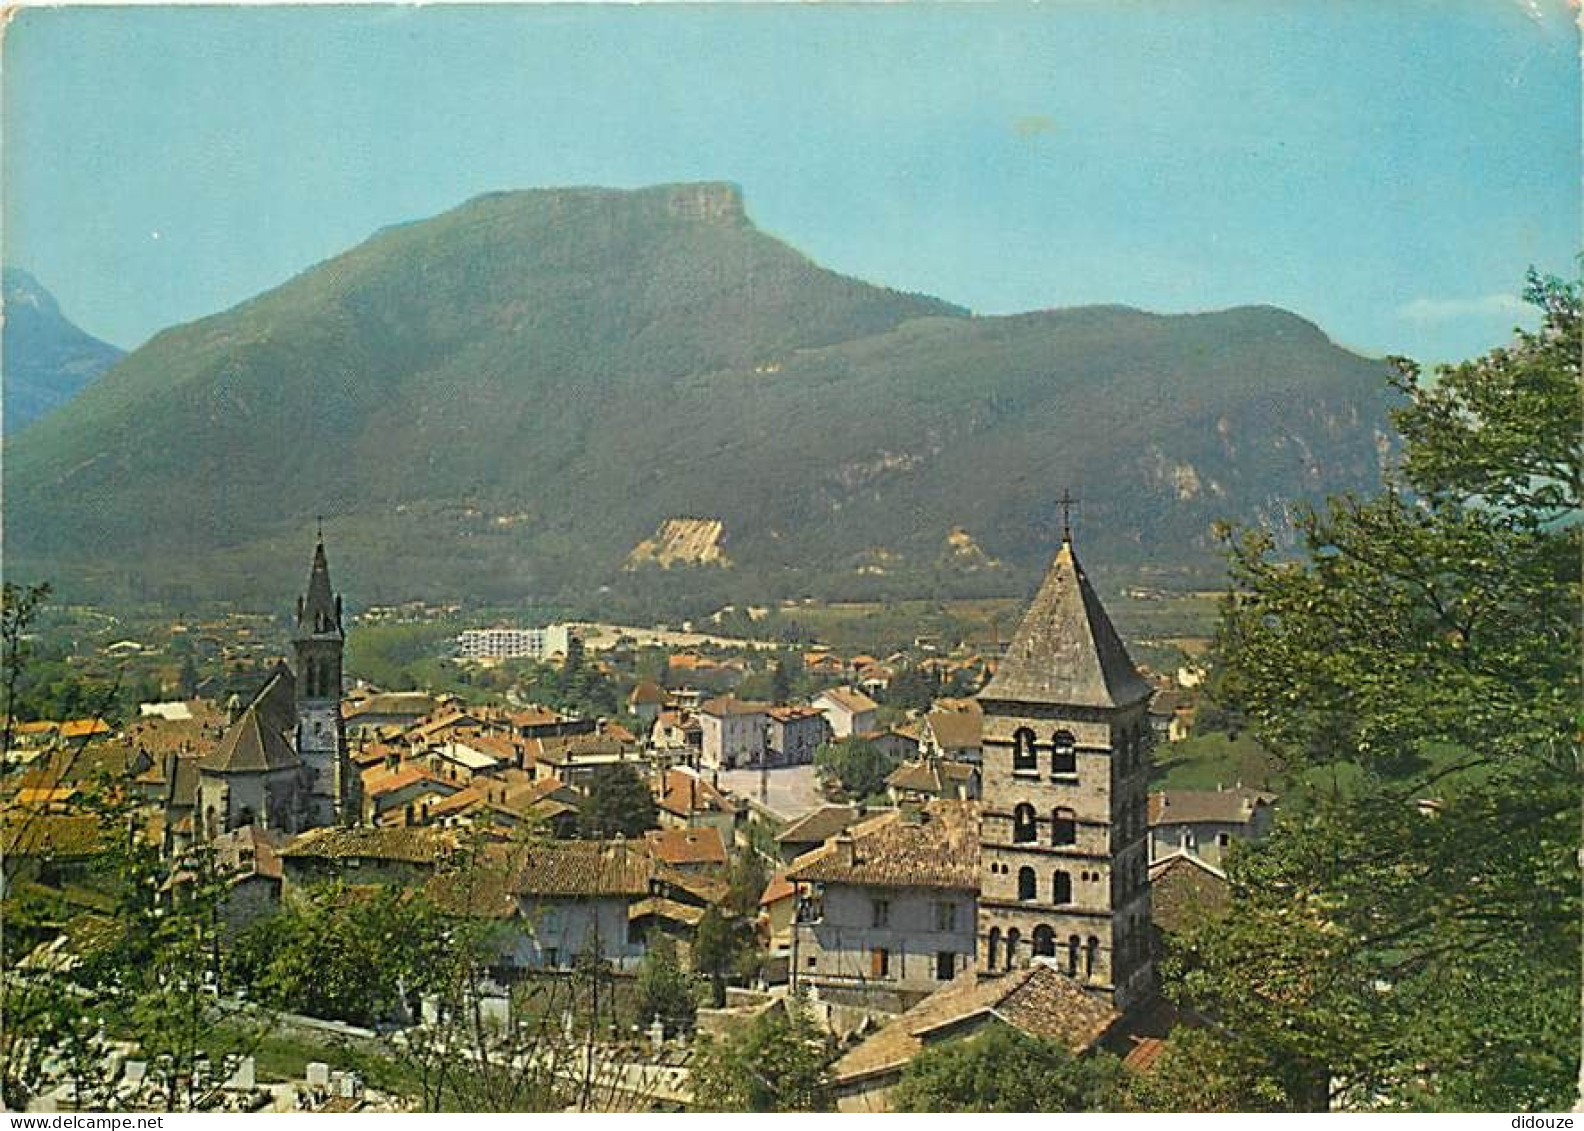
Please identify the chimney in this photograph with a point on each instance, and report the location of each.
(846, 850)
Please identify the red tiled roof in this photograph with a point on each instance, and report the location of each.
(687, 846)
(936, 847)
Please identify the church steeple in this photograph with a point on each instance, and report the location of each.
(1066, 651)
(319, 610)
(319, 642)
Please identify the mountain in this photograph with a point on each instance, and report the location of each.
(45, 360)
(504, 401)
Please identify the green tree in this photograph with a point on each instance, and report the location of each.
(619, 803)
(664, 989)
(912, 689)
(348, 954)
(780, 683)
(1408, 936)
(1201, 1070)
(859, 765)
(1004, 1069)
(717, 948)
(778, 1062)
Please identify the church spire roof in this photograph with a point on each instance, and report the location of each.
(319, 611)
(1066, 652)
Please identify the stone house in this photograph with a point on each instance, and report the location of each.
(815, 827)
(687, 800)
(732, 732)
(1204, 822)
(953, 734)
(890, 914)
(794, 734)
(392, 855)
(930, 778)
(848, 710)
(688, 850)
(646, 700)
(1037, 1000)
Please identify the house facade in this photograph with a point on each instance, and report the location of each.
(732, 732)
(1205, 822)
(794, 734)
(889, 913)
(848, 710)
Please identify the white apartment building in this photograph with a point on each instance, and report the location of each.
(513, 643)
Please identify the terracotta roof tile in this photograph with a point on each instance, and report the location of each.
(1039, 1000)
(936, 847)
(395, 843)
(679, 847)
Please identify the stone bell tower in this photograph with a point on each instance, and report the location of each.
(1064, 864)
(321, 735)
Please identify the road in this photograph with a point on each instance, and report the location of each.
(793, 790)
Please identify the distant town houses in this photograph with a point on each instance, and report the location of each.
(1021, 871)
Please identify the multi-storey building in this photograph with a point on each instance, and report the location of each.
(513, 643)
(1064, 855)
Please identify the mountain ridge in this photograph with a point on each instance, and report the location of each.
(45, 358)
(507, 397)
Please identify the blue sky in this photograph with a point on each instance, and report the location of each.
(1388, 169)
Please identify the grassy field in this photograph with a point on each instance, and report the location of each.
(1212, 761)
(1179, 624)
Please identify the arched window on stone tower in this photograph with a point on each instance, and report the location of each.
(1044, 942)
(1023, 755)
(1064, 755)
(1064, 827)
(1061, 888)
(1024, 827)
(1091, 957)
(1013, 958)
(1026, 883)
(1074, 945)
(993, 949)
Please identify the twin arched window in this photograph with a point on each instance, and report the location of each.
(1023, 754)
(1064, 827)
(1064, 753)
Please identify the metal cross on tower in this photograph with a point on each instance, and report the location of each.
(1067, 503)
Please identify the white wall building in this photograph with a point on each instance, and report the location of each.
(513, 643)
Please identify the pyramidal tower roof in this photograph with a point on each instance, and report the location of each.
(1066, 652)
(249, 746)
(317, 612)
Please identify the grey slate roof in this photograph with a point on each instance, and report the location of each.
(1066, 652)
(249, 746)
